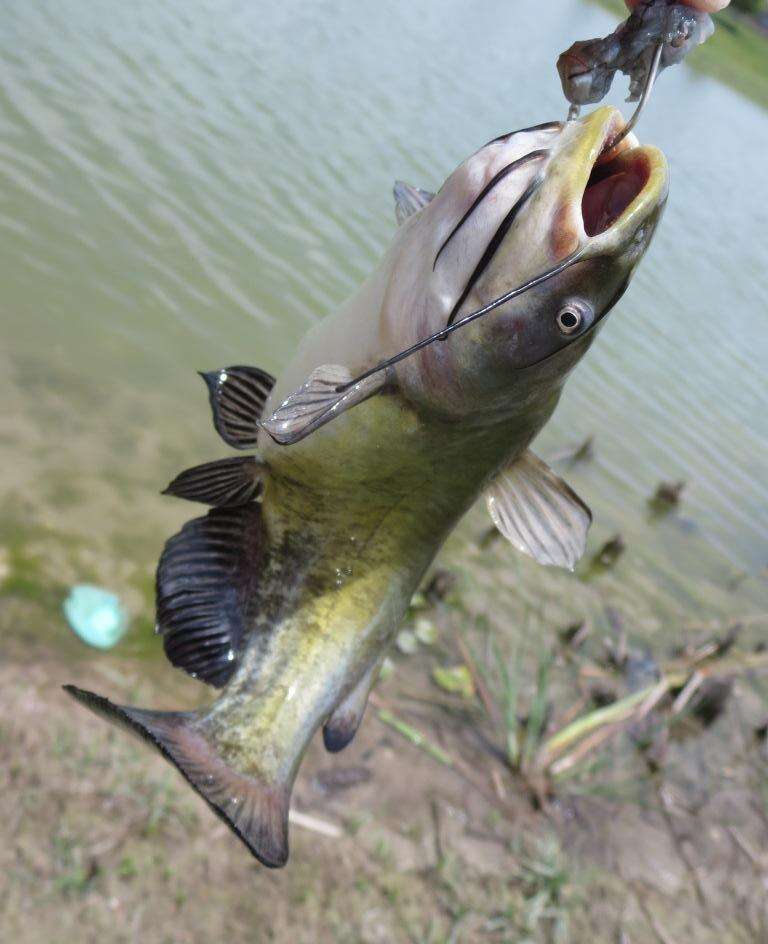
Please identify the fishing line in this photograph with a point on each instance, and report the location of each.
(472, 316)
(649, 80)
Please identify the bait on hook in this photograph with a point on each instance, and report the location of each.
(657, 34)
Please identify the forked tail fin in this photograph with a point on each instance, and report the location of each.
(255, 811)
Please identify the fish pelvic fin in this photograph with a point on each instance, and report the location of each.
(538, 512)
(256, 811)
(345, 719)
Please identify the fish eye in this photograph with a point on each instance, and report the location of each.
(569, 320)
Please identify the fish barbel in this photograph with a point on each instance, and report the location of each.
(287, 593)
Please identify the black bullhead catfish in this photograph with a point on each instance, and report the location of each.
(287, 593)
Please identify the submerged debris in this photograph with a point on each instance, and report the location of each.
(610, 552)
(666, 497)
(579, 452)
(669, 492)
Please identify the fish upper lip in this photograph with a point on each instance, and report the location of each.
(620, 185)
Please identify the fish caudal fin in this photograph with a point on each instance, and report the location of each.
(257, 812)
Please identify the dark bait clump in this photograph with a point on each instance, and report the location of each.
(587, 69)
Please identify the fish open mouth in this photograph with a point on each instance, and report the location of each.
(621, 177)
(613, 185)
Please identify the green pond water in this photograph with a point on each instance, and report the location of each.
(185, 186)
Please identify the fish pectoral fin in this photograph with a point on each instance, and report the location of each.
(318, 401)
(538, 512)
(237, 396)
(409, 200)
(345, 719)
(233, 481)
(206, 574)
(255, 810)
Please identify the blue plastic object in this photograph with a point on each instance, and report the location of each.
(96, 615)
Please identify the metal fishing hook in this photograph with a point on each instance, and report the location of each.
(649, 82)
(575, 110)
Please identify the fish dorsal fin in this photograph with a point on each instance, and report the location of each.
(409, 200)
(205, 577)
(233, 481)
(318, 401)
(343, 723)
(238, 395)
(538, 512)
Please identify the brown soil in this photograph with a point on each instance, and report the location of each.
(102, 841)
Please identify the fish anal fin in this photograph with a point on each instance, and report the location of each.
(237, 396)
(256, 811)
(235, 480)
(206, 576)
(345, 719)
(409, 200)
(318, 401)
(538, 512)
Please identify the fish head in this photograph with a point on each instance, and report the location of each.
(559, 195)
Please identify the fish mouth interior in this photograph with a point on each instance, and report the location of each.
(618, 177)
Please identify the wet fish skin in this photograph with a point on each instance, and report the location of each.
(291, 601)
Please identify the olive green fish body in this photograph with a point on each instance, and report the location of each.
(368, 525)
